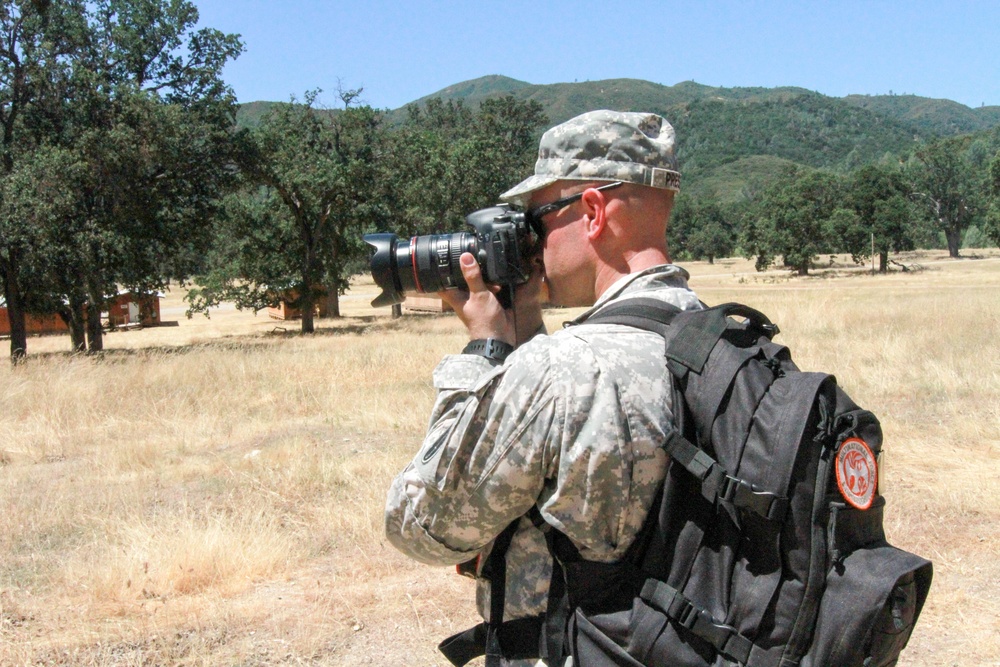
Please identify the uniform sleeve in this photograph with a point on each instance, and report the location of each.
(484, 459)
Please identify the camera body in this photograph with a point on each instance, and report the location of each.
(502, 241)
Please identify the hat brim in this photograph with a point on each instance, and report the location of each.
(519, 194)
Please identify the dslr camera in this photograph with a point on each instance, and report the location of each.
(502, 241)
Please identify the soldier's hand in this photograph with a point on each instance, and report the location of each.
(481, 312)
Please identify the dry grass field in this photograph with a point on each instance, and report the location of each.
(211, 493)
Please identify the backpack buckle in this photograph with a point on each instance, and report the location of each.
(724, 638)
(730, 487)
(743, 495)
(683, 612)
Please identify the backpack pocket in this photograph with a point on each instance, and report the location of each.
(876, 593)
(642, 636)
(593, 647)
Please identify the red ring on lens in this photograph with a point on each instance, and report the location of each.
(413, 263)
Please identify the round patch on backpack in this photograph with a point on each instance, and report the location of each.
(857, 473)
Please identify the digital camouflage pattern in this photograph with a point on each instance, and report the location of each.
(572, 422)
(604, 146)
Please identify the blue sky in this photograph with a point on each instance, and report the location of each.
(400, 51)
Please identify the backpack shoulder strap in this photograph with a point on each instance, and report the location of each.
(642, 313)
(690, 334)
(497, 639)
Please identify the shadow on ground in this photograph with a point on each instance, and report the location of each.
(326, 327)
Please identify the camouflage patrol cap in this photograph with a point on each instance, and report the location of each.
(604, 146)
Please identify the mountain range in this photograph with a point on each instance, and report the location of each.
(733, 138)
(565, 100)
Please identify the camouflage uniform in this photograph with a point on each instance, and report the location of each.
(571, 423)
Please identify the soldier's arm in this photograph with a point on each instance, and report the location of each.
(483, 462)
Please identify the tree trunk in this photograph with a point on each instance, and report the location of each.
(330, 305)
(95, 334)
(333, 303)
(77, 335)
(883, 261)
(803, 269)
(74, 318)
(16, 317)
(397, 310)
(308, 307)
(954, 237)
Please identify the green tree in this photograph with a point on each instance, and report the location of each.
(151, 121)
(943, 180)
(449, 160)
(426, 199)
(681, 224)
(36, 39)
(311, 186)
(134, 101)
(879, 197)
(41, 193)
(152, 177)
(502, 149)
(701, 229)
(794, 220)
(991, 224)
(994, 177)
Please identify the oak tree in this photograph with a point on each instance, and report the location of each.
(883, 217)
(311, 186)
(944, 182)
(794, 220)
(131, 95)
(991, 224)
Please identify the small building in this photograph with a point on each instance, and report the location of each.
(426, 303)
(134, 308)
(285, 311)
(33, 324)
(126, 309)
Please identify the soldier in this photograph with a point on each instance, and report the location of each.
(559, 430)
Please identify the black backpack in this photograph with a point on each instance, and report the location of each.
(766, 548)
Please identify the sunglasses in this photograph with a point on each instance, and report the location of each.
(534, 216)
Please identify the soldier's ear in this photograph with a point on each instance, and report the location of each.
(595, 208)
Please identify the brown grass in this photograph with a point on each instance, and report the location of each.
(211, 493)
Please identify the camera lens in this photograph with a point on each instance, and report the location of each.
(421, 264)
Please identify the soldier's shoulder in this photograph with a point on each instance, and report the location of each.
(585, 346)
(551, 352)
